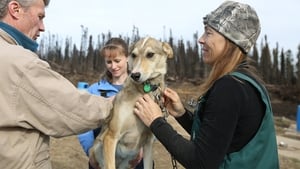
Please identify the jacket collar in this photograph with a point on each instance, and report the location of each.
(19, 37)
(105, 85)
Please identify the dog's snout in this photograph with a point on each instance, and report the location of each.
(135, 76)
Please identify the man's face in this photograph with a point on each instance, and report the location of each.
(31, 19)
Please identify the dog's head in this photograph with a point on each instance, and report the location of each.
(148, 59)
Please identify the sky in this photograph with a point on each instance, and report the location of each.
(279, 19)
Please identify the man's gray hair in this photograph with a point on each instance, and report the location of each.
(23, 3)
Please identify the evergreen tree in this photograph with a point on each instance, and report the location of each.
(181, 60)
(75, 60)
(275, 72)
(289, 69)
(197, 61)
(90, 56)
(255, 56)
(171, 70)
(189, 61)
(66, 60)
(282, 68)
(298, 67)
(265, 62)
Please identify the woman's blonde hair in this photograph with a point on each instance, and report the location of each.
(111, 48)
(232, 60)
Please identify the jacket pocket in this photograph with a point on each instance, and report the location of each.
(42, 160)
(42, 155)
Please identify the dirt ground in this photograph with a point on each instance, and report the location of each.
(66, 153)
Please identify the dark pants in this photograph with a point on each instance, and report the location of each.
(139, 166)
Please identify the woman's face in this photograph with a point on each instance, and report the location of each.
(212, 45)
(116, 64)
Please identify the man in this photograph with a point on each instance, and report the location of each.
(35, 101)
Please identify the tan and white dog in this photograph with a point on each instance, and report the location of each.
(123, 135)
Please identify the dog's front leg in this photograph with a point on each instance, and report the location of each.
(109, 150)
(148, 158)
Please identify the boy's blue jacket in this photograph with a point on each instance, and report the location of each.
(101, 88)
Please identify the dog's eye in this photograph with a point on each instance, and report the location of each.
(133, 55)
(150, 55)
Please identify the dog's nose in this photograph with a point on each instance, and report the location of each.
(135, 76)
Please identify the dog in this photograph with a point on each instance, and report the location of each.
(123, 135)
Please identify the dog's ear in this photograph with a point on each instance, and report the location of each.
(167, 49)
(131, 47)
(129, 62)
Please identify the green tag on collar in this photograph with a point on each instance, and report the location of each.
(147, 88)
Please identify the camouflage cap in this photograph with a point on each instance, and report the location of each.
(236, 21)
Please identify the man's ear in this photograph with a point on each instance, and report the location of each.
(14, 9)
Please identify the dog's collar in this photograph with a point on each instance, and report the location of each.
(148, 87)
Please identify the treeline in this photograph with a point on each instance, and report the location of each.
(277, 66)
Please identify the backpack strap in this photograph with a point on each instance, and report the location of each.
(261, 88)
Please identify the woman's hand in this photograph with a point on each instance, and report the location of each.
(173, 103)
(147, 110)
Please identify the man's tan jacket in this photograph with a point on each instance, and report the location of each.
(36, 103)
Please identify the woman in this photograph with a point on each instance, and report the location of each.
(232, 126)
(115, 53)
